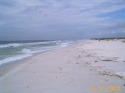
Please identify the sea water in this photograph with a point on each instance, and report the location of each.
(15, 50)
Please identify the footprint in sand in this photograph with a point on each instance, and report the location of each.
(67, 51)
(60, 68)
(89, 55)
(90, 69)
(96, 61)
(82, 51)
(87, 63)
(77, 63)
(78, 57)
(68, 62)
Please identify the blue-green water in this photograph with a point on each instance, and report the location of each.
(15, 50)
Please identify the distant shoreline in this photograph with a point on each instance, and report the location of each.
(108, 38)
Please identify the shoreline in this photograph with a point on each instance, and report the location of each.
(20, 50)
(69, 69)
(7, 67)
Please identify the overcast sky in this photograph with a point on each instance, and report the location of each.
(61, 19)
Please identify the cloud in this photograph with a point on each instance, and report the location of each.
(123, 31)
(59, 18)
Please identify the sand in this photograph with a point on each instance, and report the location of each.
(85, 67)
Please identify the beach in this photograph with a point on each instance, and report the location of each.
(88, 66)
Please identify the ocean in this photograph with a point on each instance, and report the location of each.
(15, 50)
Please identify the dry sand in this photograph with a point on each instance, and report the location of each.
(85, 67)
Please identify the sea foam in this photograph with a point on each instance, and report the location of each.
(15, 51)
(10, 45)
(9, 59)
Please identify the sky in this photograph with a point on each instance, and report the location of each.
(61, 19)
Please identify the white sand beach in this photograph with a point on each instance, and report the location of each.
(89, 66)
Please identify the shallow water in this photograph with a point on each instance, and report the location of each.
(14, 50)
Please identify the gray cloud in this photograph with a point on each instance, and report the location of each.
(6, 3)
(58, 19)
